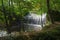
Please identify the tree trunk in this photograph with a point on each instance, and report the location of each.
(49, 13)
(3, 9)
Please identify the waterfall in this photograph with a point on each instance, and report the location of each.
(33, 21)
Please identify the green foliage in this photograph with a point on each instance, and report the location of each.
(17, 9)
(21, 6)
(55, 5)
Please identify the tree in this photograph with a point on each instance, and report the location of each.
(3, 9)
(49, 12)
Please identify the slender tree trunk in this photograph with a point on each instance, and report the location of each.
(41, 18)
(49, 13)
(21, 16)
(3, 9)
(9, 17)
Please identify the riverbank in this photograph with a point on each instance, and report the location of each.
(51, 32)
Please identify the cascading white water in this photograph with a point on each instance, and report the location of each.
(35, 21)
